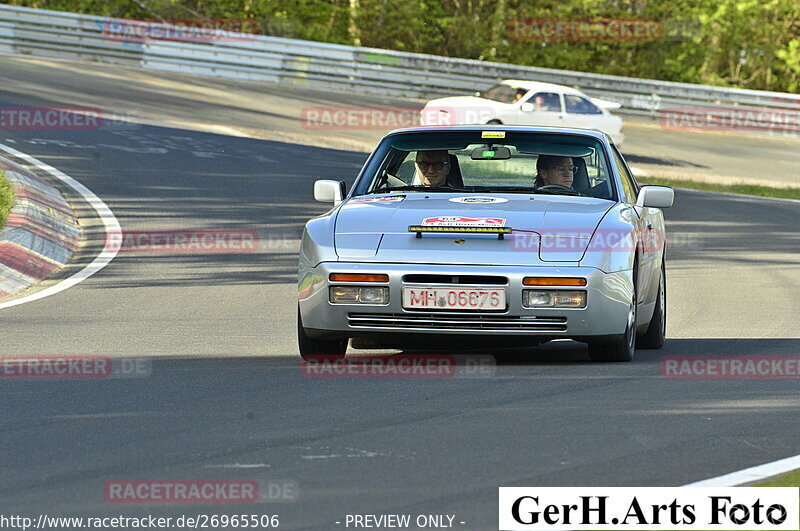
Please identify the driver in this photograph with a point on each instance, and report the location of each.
(551, 169)
(432, 168)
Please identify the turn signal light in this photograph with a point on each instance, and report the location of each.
(358, 277)
(553, 281)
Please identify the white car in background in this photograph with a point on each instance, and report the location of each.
(515, 102)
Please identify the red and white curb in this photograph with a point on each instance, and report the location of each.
(41, 232)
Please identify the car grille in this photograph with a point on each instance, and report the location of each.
(456, 321)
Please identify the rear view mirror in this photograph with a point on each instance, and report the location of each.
(655, 197)
(329, 191)
(490, 153)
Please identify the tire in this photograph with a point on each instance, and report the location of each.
(621, 349)
(319, 349)
(657, 330)
(495, 121)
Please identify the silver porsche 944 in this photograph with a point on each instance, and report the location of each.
(486, 235)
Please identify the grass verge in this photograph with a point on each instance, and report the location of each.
(790, 479)
(6, 198)
(742, 189)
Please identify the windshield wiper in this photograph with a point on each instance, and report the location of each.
(504, 189)
(528, 190)
(565, 191)
(418, 187)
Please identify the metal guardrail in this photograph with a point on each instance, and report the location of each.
(27, 31)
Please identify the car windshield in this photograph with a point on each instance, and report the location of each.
(502, 93)
(489, 161)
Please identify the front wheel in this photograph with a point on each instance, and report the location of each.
(620, 349)
(318, 349)
(657, 330)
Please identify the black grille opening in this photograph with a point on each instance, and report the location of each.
(454, 279)
(457, 321)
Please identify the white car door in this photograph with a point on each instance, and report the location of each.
(542, 108)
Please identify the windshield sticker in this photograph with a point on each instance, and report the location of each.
(383, 199)
(478, 199)
(493, 134)
(460, 221)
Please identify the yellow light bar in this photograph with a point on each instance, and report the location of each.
(553, 281)
(358, 277)
(482, 230)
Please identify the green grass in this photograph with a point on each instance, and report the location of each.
(6, 198)
(743, 189)
(791, 479)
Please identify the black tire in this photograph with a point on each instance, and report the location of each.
(319, 349)
(623, 348)
(657, 330)
(494, 121)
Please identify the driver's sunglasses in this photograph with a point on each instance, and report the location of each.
(572, 169)
(424, 165)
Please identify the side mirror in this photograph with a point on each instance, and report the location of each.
(655, 197)
(527, 107)
(478, 93)
(329, 191)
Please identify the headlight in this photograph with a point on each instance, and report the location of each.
(535, 298)
(344, 294)
(374, 295)
(358, 295)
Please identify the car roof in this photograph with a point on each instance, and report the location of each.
(593, 133)
(540, 85)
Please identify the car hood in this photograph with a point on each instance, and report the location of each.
(460, 101)
(460, 110)
(546, 228)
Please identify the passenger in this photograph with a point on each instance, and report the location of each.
(552, 169)
(432, 168)
(519, 94)
(538, 103)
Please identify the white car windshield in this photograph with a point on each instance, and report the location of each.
(502, 93)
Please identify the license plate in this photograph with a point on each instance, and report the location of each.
(454, 298)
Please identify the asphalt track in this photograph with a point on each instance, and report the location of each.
(275, 112)
(225, 397)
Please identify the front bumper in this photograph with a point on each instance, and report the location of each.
(605, 314)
